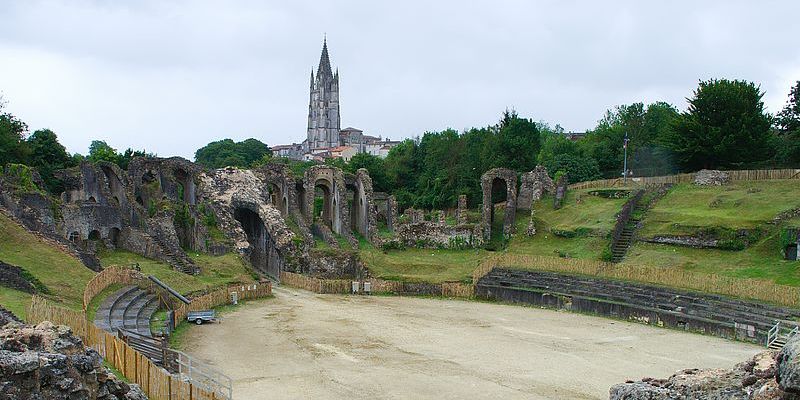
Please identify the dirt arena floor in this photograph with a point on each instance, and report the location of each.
(301, 345)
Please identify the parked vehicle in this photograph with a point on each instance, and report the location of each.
(200, 317)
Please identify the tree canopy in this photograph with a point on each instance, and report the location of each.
(726, 126)
(227, 153)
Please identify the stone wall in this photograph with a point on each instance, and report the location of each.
(49, 362)
(489, 179)
(327, 264)
(429, 234)
(534, 184)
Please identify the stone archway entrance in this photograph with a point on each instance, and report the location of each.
(492, 184)
(264, 255)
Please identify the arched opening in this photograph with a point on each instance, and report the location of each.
(139, 200)
(94, 235)
(148, 177)
(75, 237)
(263, 254)
(791, 252)
(301, 194)
(324, 204)
(358, 210)
(499, 197)
(186, 187)
(276, 197)
(115, 185)
(92, 199)
(113, 236)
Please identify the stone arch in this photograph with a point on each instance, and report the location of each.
(363, 215)
(113, 236)
(490, 182)
(263, 253)
(91, 199)
(187, 188)
(323, 188)
(330, 180)
(278, 197)
(115, 185)
(94, 235)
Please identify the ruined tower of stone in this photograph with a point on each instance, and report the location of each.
(323, 105)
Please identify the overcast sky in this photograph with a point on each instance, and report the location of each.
(171, 76)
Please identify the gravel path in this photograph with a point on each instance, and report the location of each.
(303, 345)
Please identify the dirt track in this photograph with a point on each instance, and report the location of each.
(303, 345)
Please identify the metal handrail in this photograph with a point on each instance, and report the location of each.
(772, 334)
(204, 375)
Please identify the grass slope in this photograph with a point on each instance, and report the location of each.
(595, 216)
(216, 271)
(739, 205)
(64, 275)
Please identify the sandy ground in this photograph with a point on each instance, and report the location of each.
(302, 345)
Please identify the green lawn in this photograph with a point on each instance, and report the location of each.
(215, 271)
(64, 275)
(763, 260)
(735, 206)
(422, 265)
(594, 217)
(15, 301)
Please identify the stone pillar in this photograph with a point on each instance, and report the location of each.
(391, 213)
(442, 218)
(461, 211)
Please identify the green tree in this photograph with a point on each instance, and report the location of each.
(13, 148)
(577, 168)
(725, 127)
(47, 155)
(125, 158)
(788, 127)
(226, 152)
(100, 151)
(517, 144)
(376, 168)
(401, 171)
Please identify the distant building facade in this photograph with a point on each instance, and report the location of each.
(324, 136)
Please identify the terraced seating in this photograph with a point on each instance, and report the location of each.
(673, 304)
(129, 308)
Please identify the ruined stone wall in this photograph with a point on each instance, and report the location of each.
(334, 265)
(534, 184)
(428, 234)
(335, 210)
(509, 178)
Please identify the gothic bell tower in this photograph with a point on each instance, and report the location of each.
(323, 105)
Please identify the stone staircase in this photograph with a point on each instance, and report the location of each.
(176, 257)
(130, 309)
(620, 247)
(641, 202)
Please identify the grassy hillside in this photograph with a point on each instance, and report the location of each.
(215, 271)
(739, 205)
(590, 221)
(64, 275)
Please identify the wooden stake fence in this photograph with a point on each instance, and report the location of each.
(155, 381)
(739, 175)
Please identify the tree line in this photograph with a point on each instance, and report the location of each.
(725, 126)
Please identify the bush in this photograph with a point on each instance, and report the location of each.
(393, 245)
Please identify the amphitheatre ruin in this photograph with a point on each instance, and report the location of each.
(296, 276)
(323, 330)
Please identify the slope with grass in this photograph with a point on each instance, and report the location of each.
(63, 275)
(587, 222)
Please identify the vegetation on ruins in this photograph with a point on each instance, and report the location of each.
(227, 153)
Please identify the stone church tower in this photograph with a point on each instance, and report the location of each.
(323, 105)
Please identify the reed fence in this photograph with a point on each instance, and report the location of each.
(223, 296)
(107, 277)
(157, 383)
(316, 285)
(736, 175)
(458, 289)
(754, 289)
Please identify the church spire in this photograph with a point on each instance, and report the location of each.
(324, 69)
